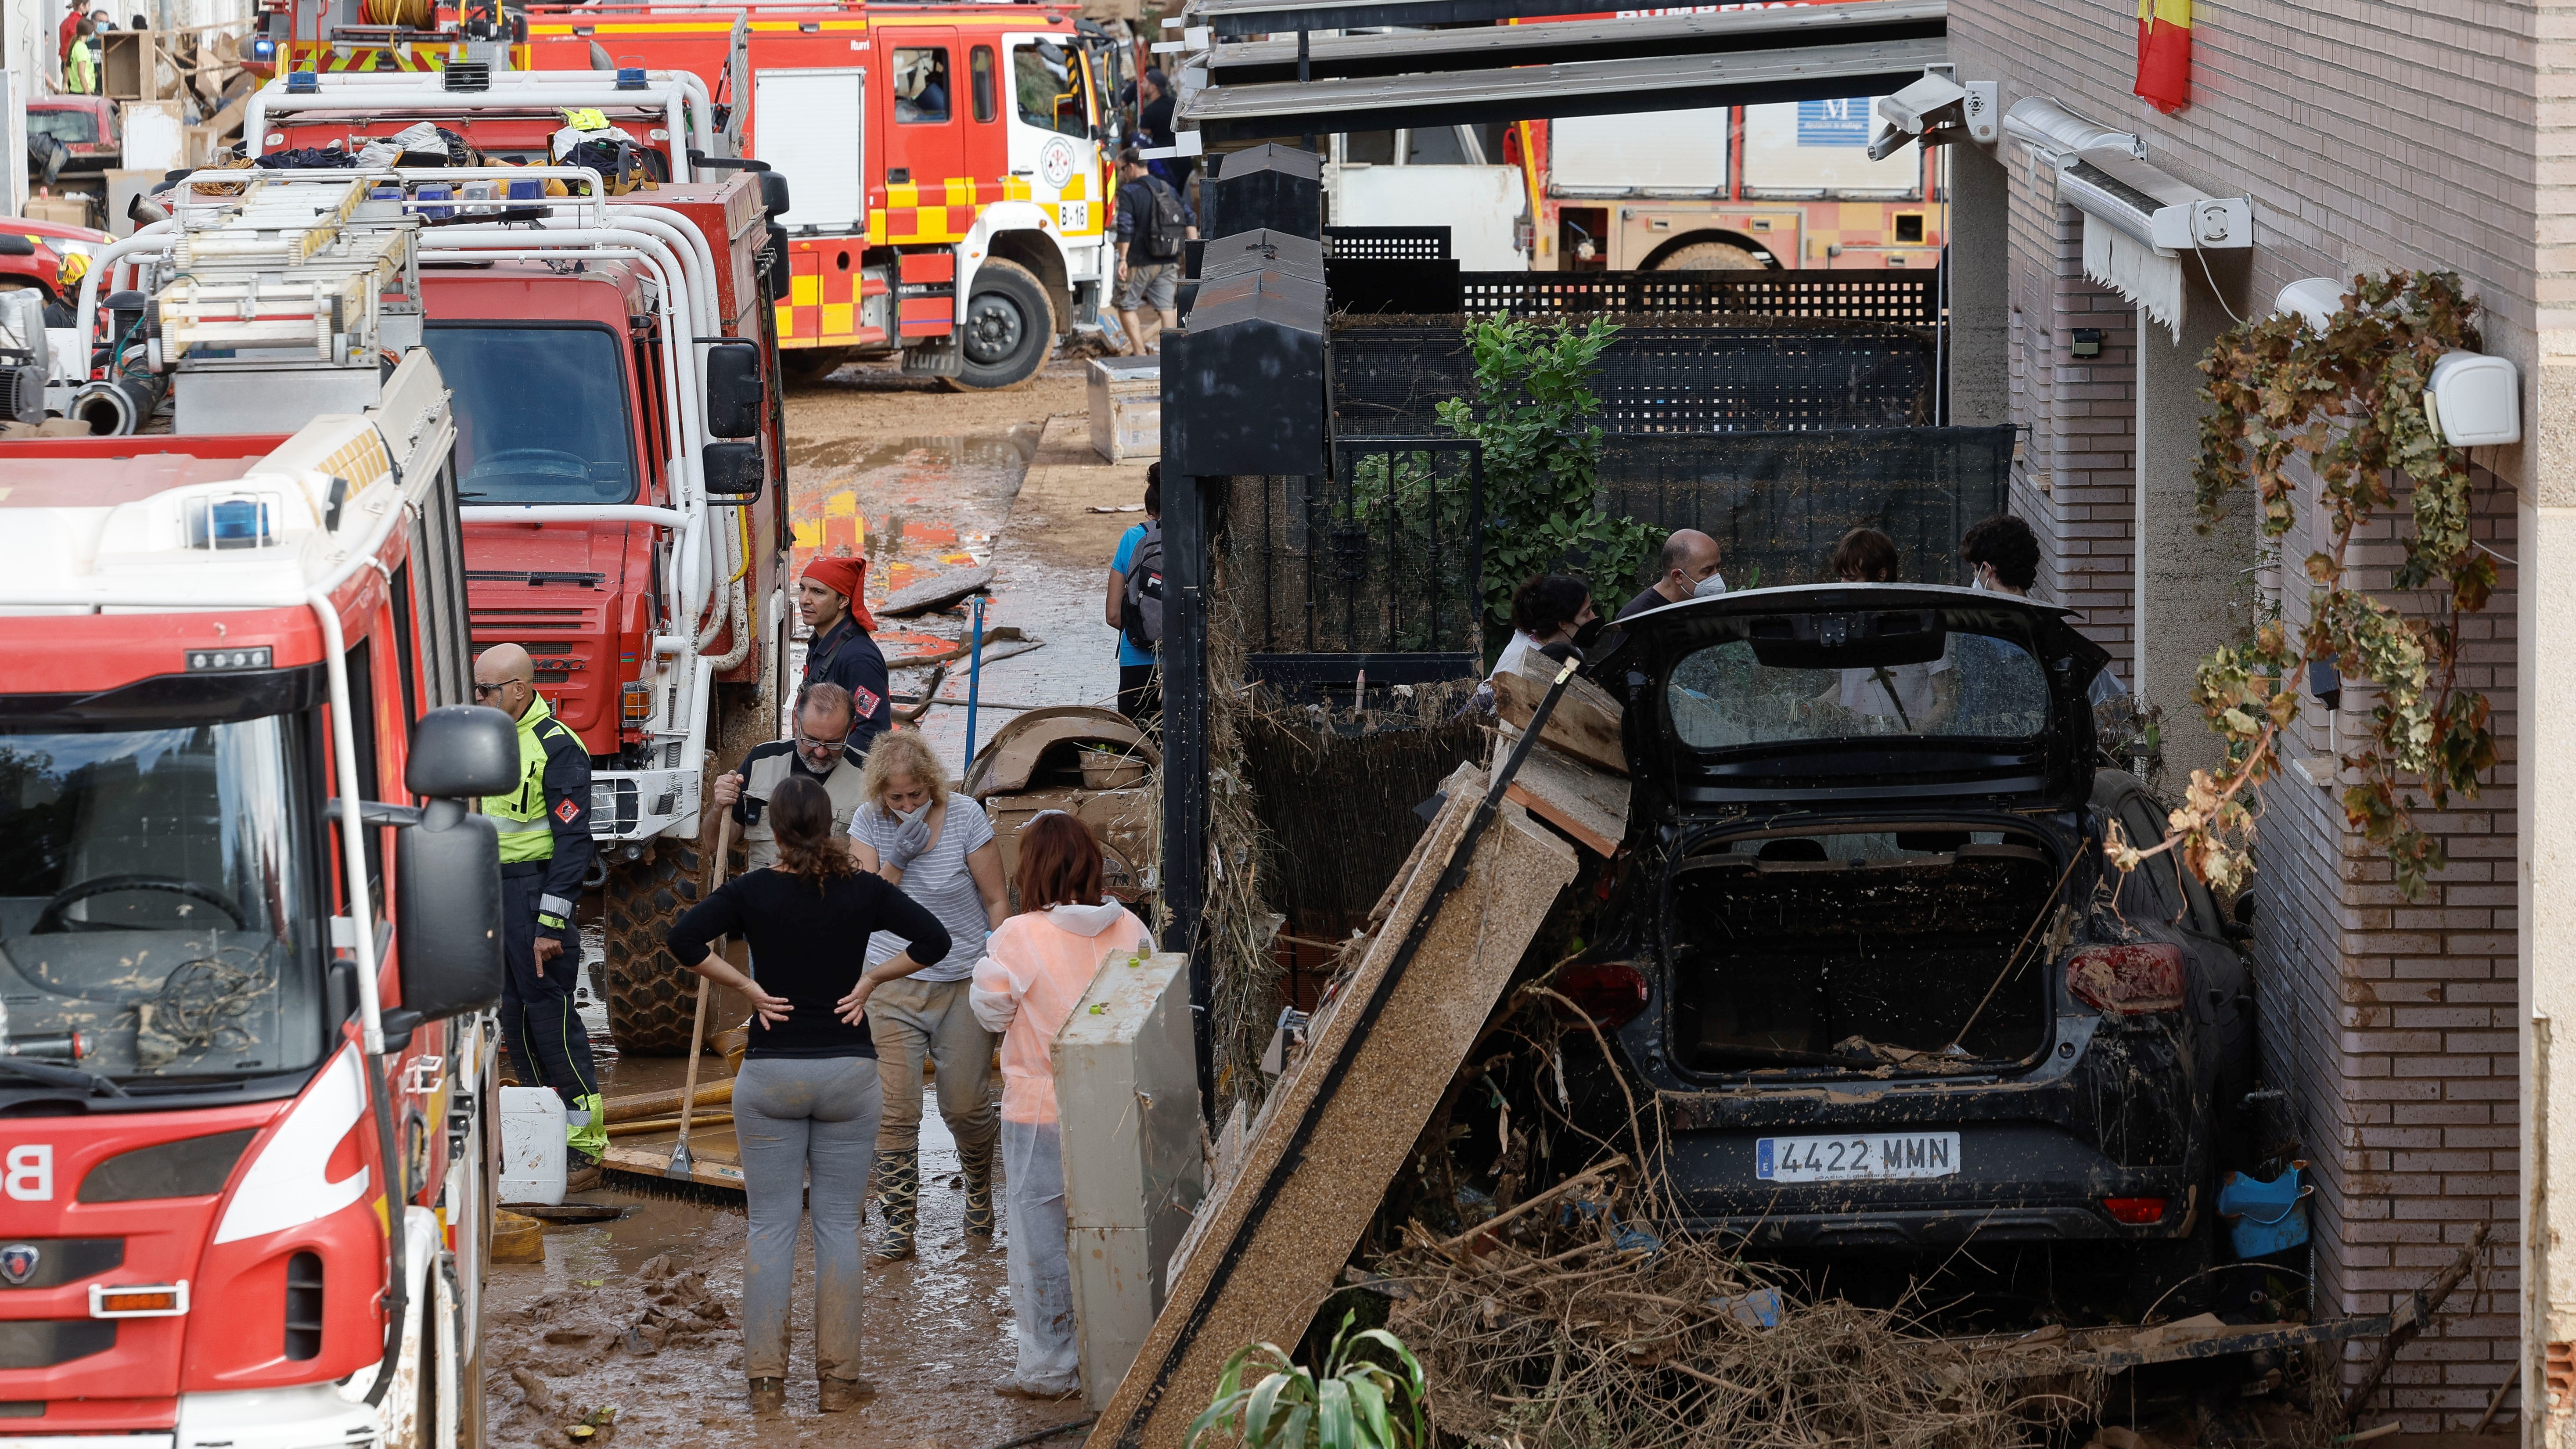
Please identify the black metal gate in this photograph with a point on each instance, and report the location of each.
(1372, 571)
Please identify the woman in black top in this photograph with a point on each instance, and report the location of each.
(808, 1098)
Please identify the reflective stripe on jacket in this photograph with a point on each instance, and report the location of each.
(547, 819)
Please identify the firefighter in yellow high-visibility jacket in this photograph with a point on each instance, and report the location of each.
(545, 855)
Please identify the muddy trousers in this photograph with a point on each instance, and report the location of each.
(913, 1020)
(1041, 1278)
(795, 1117)
(539, 1026)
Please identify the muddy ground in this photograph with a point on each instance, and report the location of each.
(923, 479)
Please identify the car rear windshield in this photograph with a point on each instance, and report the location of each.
(1978, 685)
(71, 127)
(155, 898)
(541, 413)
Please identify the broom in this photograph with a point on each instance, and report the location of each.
(681, 1177)
(680, 1164)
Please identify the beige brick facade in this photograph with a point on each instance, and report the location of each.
(2368, 136)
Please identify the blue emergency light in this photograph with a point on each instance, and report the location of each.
(237, 523)
(303, 83)
(630, 78)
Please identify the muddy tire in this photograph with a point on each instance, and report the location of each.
(1711, 257)
(1008, 332)
(652, 999)
(806, 366)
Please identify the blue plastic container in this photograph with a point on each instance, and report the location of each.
(2264, 1217)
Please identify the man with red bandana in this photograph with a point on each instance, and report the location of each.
(833, 598)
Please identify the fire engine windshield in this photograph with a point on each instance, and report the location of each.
(541, 413)
(156, 900)
(1048, 79)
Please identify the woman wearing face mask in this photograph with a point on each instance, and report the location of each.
(1035, 969)
(914, 832)
(1914, 699)
(1547, 609)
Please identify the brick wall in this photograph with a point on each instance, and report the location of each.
(2400, 134)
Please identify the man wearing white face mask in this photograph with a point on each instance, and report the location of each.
(1689, 565)
(2002, 556)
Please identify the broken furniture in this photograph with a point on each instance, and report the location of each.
(1040, 761)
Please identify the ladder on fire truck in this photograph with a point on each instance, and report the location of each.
(689, 115)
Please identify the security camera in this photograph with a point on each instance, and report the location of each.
(1935, 100)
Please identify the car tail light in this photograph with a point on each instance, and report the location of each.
(2135, 1211)
(2127, 980)
(636, 699)
(1609, 992)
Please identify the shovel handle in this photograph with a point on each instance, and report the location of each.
(698, 1027)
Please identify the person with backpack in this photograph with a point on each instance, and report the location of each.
(1153, 222)
(1136, 606)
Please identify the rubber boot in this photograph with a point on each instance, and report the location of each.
(586, 1125)
(768, 1396)
(838, 1395)
(978, 1162)
(899, 1200)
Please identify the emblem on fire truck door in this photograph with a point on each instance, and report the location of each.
(1056, 162)
(18, 1263)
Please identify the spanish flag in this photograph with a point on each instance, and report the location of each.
(2164, 54)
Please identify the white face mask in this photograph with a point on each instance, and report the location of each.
(1977, 581)
(1710, 587)
(913, 817)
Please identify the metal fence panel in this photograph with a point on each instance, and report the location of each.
(1778, 502)
(1872, 296)
(1379, 559)
(1389, 378)
(1387, 243)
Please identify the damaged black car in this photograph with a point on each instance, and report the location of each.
(1863, 956)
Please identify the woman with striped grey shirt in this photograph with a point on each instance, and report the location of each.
(939, 847)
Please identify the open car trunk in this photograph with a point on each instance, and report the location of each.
(1859, 951)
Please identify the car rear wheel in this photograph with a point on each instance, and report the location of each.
(1008, 331)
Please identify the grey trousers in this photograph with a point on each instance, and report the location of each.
(1041, 1277)
(796, 1116)
(915, 1019)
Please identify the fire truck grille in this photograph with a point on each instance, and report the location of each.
(64, 1260)
(43, 1343)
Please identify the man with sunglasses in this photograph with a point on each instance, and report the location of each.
(545, 855)
(821, 750)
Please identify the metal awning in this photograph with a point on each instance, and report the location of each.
(1519, 92)
(1637, 38)
(1235, 19)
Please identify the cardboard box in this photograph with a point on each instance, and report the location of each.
(1126, 407)
(1120, 819)
(71, 209)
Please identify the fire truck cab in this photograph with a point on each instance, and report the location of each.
(952, 187)
(617, 450)
(247, 919)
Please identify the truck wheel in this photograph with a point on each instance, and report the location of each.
(806, 366)
(1711, 257)
(652, 999)
(1009, 329)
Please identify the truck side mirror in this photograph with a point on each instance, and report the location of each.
(463, 751)
(447, 867)
(773, 194)
(733, 390)
(733, 470)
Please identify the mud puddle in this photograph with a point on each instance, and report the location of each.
(584, 1325)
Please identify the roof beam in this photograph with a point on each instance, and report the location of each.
(1335, 56)
(1238, 113)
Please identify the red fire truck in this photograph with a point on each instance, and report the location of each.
(952, 189)
(620, 467)
(247, 921)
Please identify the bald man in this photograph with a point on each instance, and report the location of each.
(1689, 557)
(545, 854)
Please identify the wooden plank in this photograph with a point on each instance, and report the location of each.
(1340, 1123)
(1587, 803)
(1585, 723)
(935, 593)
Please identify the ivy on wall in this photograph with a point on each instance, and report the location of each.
(2348, 404)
